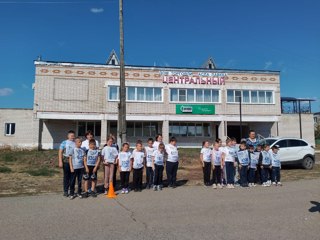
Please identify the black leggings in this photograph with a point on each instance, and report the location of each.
(137, 178)
(206, 172)
(158, 172)
(216, 174)
(124, 176)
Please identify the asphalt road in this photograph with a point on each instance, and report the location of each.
(182, 213)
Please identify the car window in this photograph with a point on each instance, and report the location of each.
(294, 143)
(269, 141)
(282, 143)
(303, 143)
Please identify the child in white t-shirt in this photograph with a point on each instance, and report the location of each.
(217, 164)
(276, 165)
(172, 163)
(229, 162)
(138, 162)
(109, 156)
(149, 171)
(125, 166)
(205, 157)
(158, 161)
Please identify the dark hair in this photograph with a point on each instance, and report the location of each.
(243, 143)
(71, 131)
(233, 139)
(173, 139)
(204, 142)
(266, 145)
(110, 138)
(251, 130)
(228, 140)
(217, 140)
(158, 135)
(161, 144)
(92, 141)
(124, 144)
(150, 139)
(138, 142)
(89, 133)
(78, 138)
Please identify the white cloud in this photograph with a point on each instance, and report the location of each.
(267, 65)
(5, 92)
(96, 10)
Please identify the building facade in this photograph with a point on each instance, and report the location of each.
(192, 104)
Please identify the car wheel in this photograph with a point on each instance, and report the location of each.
(307, 163)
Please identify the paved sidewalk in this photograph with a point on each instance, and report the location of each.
(182, 213)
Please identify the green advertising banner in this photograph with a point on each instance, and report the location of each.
(195, 109)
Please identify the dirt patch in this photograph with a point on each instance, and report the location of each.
(36, 172)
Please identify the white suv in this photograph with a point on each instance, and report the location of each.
(293, 151)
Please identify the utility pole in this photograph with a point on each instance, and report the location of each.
(240, 111)
(122, 125)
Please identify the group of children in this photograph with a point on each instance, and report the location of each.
(81, 161)
(232, 165)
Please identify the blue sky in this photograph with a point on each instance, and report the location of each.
(249, 34)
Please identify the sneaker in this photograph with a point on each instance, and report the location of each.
(105, 191)
(123, 191)
(274, 184)
(232, 186)
(155, 188)
(126, 191)
(170, 186)
(159, 188)
(214, 186)
(89, 191)
(264, 184)
(140, 189)
(93, 194)
(71, 197)
(279, 184)
(220, 186)
(135, 190)
(65, 194)
(85, 195)
(250, 185)
(228, 185)
(79, 195)
(148, 186)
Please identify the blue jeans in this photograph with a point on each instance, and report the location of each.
(265, 173)
(230, 172)
(77, 174)
(171, 170)
(275, 174)
(158, 172)
(149, 176)
(66, 177)
(252, 174)
(244, 175)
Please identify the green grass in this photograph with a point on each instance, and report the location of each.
(4, 169)
(44, 171)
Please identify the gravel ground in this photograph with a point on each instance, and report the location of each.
(187, 212)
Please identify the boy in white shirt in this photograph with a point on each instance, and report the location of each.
(172, 163)
(229, 161)
(149, 171)
(217, 164)
(276, 165)
(109, 156)
(243, 158)
(76, 162)
(205, 157)
(138, 161)
(158, 160)
(125, 166)
(91, 164)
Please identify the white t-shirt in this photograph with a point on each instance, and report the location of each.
(149, 152)
(138, 158)
(77, 158)
(109, 154)
(229, 154)
(216, 157)
(206, 154)
(85, 144)
(243, 157)
(172, 151)
(124, 161)
(92, 157)
(156, 145)
(158, 157)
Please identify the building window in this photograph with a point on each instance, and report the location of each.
(189, 129)
(142, 129)
(250, 96)
(10, 129)
(137, 94)
(84, 127)
(194, 95)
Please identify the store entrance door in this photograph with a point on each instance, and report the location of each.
(234, 131)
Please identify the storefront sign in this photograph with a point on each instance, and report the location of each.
(209, 78)
(195, 109)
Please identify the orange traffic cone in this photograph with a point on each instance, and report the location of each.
(111, 193)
